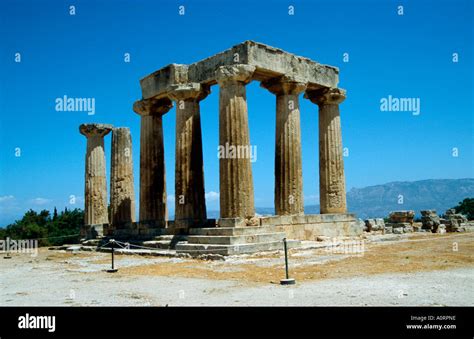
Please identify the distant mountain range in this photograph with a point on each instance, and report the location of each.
(378, 201)
(438, 194)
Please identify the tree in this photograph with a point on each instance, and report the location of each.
(466, 207)
(57, 230)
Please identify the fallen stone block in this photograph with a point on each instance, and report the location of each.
(397, 230)
(402, 216)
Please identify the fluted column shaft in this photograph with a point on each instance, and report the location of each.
(122, 195)
(235, 169)
(288, 160)
(190, 203)
(331, 165)
(153, 208)
(95, 195)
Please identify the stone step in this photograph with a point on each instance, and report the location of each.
(171, 237)
(92, 242)
(231, 231)
(235, 240)
(164, 242)
(199, 249)
(161, 244)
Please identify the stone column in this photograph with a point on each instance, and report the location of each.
(190, 203)
(235, 169)
(122, 195)
(153, 209)
(331, 165)
(95, 193)
(288, 164)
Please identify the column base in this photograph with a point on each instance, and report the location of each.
(94, 231)
(238, 222)
(144, 224)
(337, 210)
(191, 223)
(111, 229)
(231, 222)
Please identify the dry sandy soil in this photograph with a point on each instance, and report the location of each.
(416, 269)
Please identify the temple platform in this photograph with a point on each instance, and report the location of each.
(233, 236)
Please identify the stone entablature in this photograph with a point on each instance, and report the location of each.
(269, 62)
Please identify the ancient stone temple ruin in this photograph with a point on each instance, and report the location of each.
(238, 229)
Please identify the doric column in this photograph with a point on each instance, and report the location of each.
(190, 204)
(153, 209)
(235, 169)
(331, 165)
(288, 164)
(122, 195)
(95, 193)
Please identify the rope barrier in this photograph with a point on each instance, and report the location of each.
(58, 237)
(187, 250)
(103, 246)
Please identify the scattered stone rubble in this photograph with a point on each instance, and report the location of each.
(374, 225)
(432, 222)
(402, 216)
(453, 221)
(400, 222)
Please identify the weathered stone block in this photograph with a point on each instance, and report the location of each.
(254, 221)
(417, 226)
(430, 220)
(269, 62)
(231, 222)
(453, 220)
(402, 216)
(299, 219)
(377, 224)
(398, 230)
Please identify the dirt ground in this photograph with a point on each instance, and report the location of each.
(426, 253)
(416, 269)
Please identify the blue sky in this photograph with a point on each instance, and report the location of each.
(405, 56)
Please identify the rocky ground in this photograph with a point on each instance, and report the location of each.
(407, 269)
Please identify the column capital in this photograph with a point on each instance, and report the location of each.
(326, 96)
(152, 106)
(189, 91)
(284, 85)
(235, 73)
(89, 130)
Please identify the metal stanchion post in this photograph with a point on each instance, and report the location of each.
(288, 280)
(113, 269)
